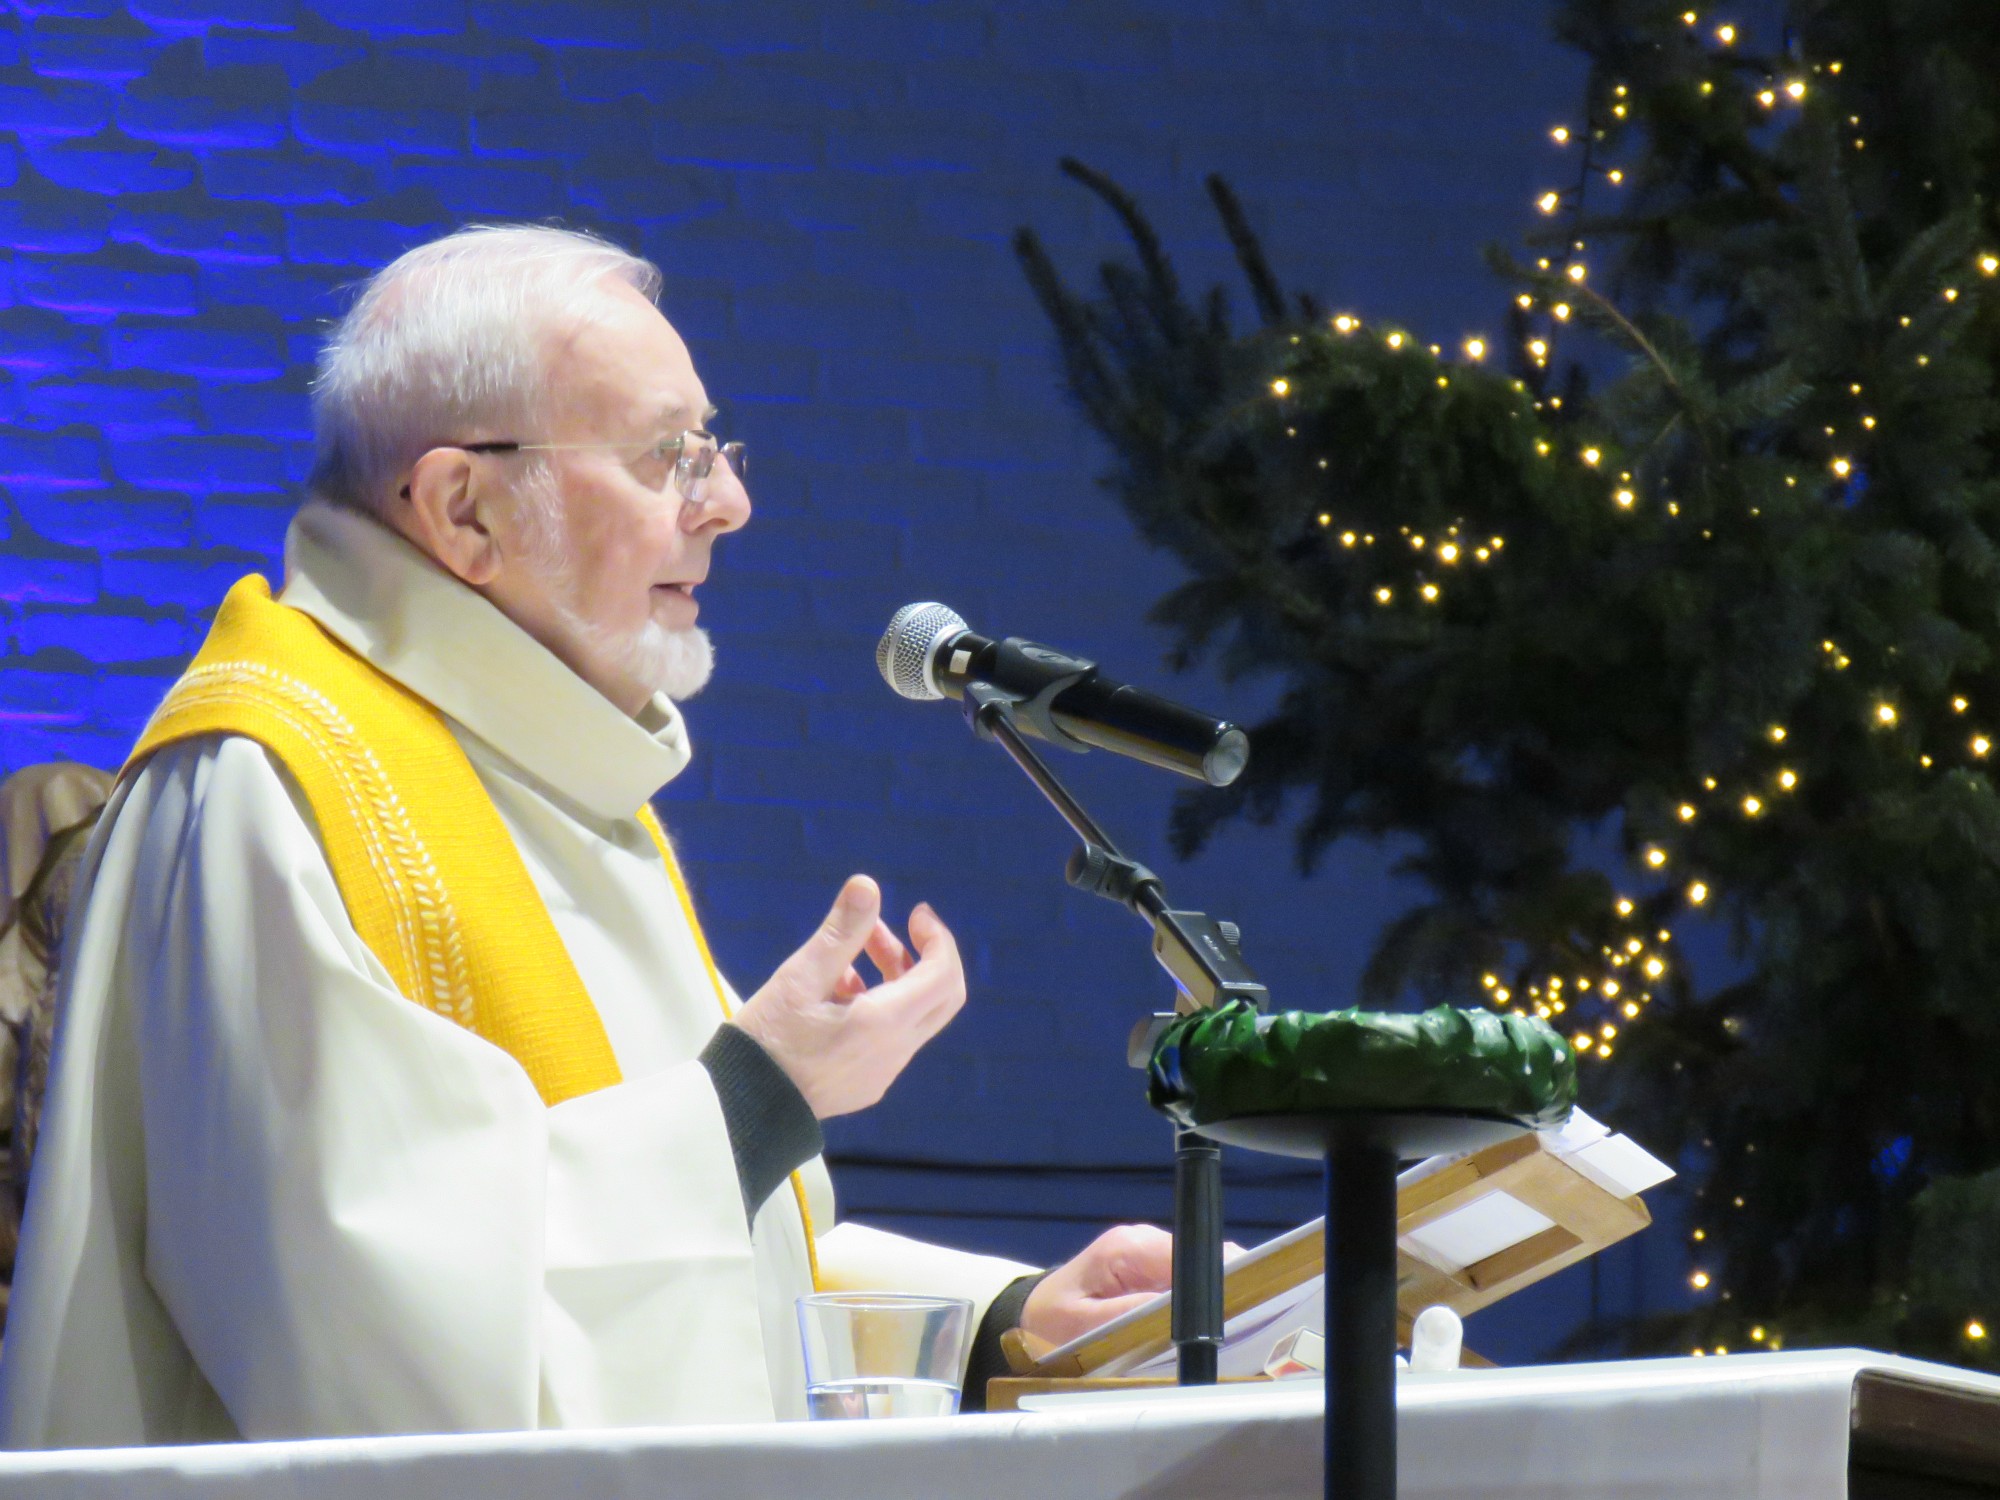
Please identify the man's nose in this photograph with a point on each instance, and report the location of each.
(725, 503)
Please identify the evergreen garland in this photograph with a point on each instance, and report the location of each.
(1735, 613)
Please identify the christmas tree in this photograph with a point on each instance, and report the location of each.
(1730, 614)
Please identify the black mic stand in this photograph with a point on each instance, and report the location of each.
(1207, 967)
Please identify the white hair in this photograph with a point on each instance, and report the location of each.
(448, 338)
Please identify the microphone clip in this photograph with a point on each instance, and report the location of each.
(983, 704)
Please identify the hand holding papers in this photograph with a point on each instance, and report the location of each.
(1470, 1230)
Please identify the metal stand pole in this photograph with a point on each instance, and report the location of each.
(1197, 1293)
(1360, 1317)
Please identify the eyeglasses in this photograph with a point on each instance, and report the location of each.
(691, 455)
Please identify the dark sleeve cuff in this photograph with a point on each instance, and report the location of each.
(772, 1130)
(987, 1360)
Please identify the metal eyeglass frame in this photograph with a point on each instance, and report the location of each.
(692, 465)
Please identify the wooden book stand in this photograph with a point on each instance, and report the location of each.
(1572, 1215)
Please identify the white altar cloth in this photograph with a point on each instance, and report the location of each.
(1740, 1427)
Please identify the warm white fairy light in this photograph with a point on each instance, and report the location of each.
(1885, 714)
(1592, 456)
(1475, 348)
(1549, 202)
(1697, 894)
(1346, 323)
(1281, 387)
(1726, 35)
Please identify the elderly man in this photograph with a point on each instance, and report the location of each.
(396, 1089)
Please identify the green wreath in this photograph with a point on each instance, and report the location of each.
(1232, 1062)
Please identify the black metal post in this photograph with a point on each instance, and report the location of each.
(1360, 1317)
(1197, 1294)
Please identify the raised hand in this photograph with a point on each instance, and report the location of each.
(839, 1040)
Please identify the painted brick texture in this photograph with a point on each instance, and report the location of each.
(186, 186)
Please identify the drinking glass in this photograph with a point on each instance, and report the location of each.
(883, 1354)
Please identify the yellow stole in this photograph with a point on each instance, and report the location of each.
(429, 874)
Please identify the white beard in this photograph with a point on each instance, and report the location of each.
(675, 662)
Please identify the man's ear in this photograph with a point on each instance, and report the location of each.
(446, 514)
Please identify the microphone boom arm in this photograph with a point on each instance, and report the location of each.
(1206, 964)
(1202, 956)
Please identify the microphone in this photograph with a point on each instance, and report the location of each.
(929, 652)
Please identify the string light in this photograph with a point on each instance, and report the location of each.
(1560, 135)
(1625, 498)
(1960, 705)
(1788, 779)
(1842, 467)
(1395, 341)
(1561, 310)
(1656, 856)
(1980, 745)
(1752, 806)
(1475, 348)
(1624, 906)
(1726, 35)
(1777, 734)
(1592, 457)
(1976, 1331)
(1687, 812)
(1796, 89)
(1281, 387)
(1989, 265)
(1697, 894)
(1699, 1281)
(1549, 202)
(1346, 323)
(1885, 714)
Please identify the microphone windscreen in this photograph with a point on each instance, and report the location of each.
(903, 656)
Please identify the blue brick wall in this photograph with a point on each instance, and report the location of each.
(185, 186)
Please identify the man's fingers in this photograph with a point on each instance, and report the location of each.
(928, 932)
(850, 986)
(1102, 1310)
(888, 952)
(1132, 1257)
(830, 952)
